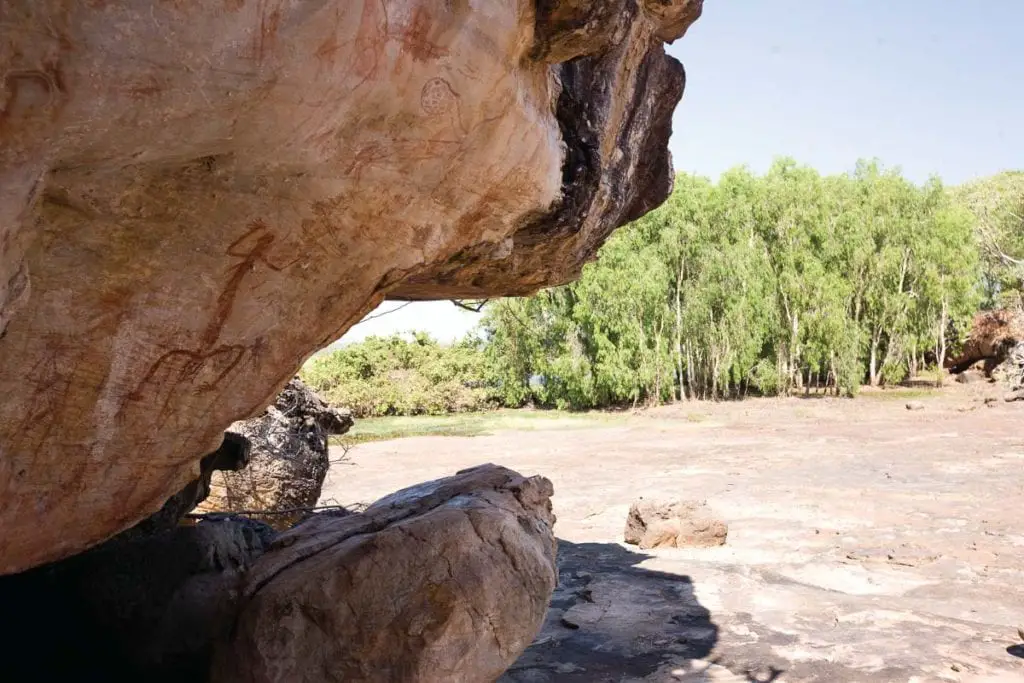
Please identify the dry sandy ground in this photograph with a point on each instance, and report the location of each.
(866, 542)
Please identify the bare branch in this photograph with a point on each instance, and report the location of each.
(383, 313)
(344, 458)
(471, 306)
(992, 244)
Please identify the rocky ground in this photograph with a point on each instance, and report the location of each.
(866, 542)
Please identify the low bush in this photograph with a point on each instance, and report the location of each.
(398, 375)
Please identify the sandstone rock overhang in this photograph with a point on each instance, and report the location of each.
(194, 197)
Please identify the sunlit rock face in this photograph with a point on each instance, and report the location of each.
(445, 581)
(196, 196)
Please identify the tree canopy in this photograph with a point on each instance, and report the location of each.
(757, 283)
(997, 206)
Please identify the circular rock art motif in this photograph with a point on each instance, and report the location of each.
(437, 97)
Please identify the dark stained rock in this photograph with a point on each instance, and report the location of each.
(288, 459)
(137, 608)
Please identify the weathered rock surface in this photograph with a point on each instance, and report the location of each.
(446, 581)
(1012, 372)
(993, 335)
(139, 607)
(673, 524)
(970, 376)
(288, 459)
(232, 455)
(804, 485)
(195, 197)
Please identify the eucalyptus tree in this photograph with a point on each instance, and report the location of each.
(997, 207)
(764, 283)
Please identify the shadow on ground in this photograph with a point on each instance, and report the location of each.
(1016, 650)
(611, 620)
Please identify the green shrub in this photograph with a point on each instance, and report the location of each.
(398, 376)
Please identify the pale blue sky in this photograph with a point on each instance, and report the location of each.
(931, 86)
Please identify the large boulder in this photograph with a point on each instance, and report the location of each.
(673, 524)
(970, 376)
(446, 581)
(1012, 374)
(993, 336)
(288, 459)
(194, 197)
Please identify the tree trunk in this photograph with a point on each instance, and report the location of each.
(897, 317)
(791, 346)
(679, 326)
(714, 376)
(940, 350)
(781, 370)
(873, 362)
(640, 379)
(657, 362)
(892, 354)
(794, 335)
(689, 373)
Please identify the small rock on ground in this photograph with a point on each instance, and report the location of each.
(673, 524)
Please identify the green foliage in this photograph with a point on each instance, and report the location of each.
(395, 376)
(997, 206)
(757, 284)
